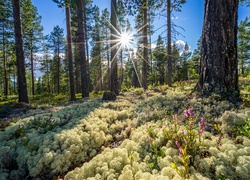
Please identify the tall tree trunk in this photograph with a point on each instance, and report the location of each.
(6, 81)
(81, 47)
(58, 70)
(32, 72)
(107, 51)
(114, 78)
(22, 86)
(70, 56)
(86, 42)
(169, 50)
(145, 46)
(77, 71)
(121, 69)
(218, 66)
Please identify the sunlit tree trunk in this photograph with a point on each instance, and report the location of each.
(32, 71)
(22, 85)
(114, 78)
(218, 66)
(69, 53)
(81, 45)
(145, 46)
(86, 42)
(169, 50)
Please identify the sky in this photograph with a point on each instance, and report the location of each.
(190, 18)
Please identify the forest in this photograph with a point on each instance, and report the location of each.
(110, 103)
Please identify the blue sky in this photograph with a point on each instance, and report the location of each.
(191, 18)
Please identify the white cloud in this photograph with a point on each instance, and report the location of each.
(180, 45)
(153, 46)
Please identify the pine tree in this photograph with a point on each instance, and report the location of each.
(57, 43)
(67, 4)
(159, 57)
(45, 66)
(96, 63)
(105, 31)
(244, 44)
(195, 61)
(114, 78)
(81, 49)
(32, 33)
(6, 45)
(22, 86)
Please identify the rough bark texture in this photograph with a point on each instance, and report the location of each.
(169, 50)
(114, 77)
(218, 65)
(145, 46)
(22, 86)
(81, 45)
(70, 56)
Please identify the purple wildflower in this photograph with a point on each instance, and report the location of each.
(180, 152)
(188, 113)
(201, 131)
(219, 140)
(177, 144)
(175, 116)
(191, 122)
(149, 139)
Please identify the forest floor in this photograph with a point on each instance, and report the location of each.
(138, 136)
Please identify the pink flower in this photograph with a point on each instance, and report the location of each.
(177, 144)
(201, 131)
(180, 152)
(188, 113)
(175, 116)
(149, 139)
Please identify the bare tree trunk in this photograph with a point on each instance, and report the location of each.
(86, 43)
(70, 56)
(114, 78)
(22, 86)
(107, 51)
(81, 45)
(58, 70)
(169, 50)
(32, 72)
(6, 81)
(145, 46)
(218, 66)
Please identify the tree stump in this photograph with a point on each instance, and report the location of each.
(109, 96)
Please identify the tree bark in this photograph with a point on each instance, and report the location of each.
(169, 50)
(218, 65)
(81, 46)
(114, 78)
(58, 68)
(86, 42)
(22, 86)
(70, 56)
(32, 72)
(145, 46)
(6, 81)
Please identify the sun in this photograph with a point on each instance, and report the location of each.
(125, 39)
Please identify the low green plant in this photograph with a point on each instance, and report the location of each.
(243, 129)
(188, 140)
